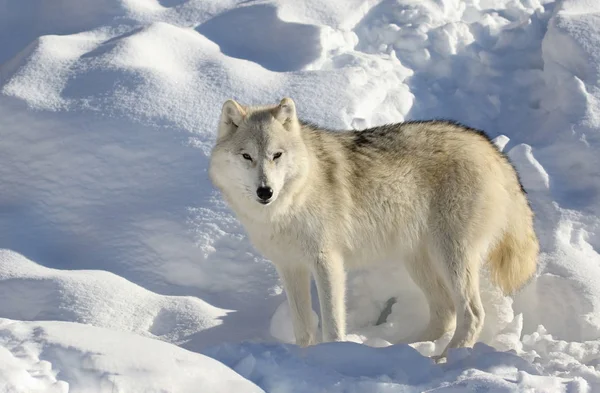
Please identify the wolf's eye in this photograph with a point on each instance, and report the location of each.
(247, 156)
(277, 155)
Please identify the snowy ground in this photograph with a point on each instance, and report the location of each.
(121, 269)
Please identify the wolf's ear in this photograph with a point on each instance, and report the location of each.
(285, 112)
(232, 115)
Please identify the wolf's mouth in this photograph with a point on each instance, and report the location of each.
(263, 202)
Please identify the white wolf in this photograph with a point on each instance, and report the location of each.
(434, 194)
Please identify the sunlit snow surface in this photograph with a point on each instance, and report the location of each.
(121, 268)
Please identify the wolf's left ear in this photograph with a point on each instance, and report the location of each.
(285, 112)
(232, 115)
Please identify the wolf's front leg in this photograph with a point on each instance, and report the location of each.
(331, 285)
(296, 282)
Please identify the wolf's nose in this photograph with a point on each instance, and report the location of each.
(264, 193)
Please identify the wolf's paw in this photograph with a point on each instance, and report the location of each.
(306, 341)
(439, 359)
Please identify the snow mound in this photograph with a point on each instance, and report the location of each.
(33, 292)
(350, 367)
(61, 357)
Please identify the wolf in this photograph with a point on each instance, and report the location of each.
(435, 195)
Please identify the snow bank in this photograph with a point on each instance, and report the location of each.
(60, 357)
(33, 292)
(350, 367)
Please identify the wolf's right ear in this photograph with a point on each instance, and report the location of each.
(232, 115)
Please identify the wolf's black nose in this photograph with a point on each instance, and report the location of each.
(264, 193)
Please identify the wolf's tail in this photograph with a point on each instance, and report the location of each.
(513, 261)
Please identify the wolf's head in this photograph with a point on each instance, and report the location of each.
(259, 155)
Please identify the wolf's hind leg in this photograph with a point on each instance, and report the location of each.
(296, 281)
(462, 277)
(441, 309)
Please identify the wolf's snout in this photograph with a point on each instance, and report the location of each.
(264, 193)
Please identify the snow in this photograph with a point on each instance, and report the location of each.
(63, 357)
(34, 292)
(351, 367)
(121, 268)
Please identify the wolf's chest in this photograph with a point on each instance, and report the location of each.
(287, 245)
